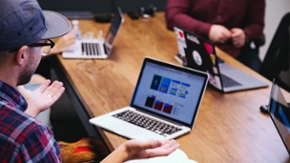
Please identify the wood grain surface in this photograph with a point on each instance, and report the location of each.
(229, 127)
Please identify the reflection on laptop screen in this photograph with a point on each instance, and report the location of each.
(280, 115)
(169, 92)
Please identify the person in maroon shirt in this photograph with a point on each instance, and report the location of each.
(230, 24)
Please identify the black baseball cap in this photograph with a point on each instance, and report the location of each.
(23, 22)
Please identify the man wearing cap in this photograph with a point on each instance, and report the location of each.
(24, 30)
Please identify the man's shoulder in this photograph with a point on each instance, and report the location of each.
(23, 135)
(17, 125)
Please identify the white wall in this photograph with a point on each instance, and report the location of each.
(275, 10)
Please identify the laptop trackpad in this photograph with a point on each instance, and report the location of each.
(132, 131)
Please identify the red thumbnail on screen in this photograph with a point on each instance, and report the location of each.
(158, 105)
(167, 108)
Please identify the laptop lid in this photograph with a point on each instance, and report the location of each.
(199, 53)
(169, 91)
(113, 30)
(280, 114)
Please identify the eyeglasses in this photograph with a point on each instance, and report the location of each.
(44, 51)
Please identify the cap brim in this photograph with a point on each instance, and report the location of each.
(57, 25)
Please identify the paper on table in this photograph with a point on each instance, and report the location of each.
(177, 156)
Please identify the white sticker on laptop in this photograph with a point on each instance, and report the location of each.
(192, 38)
(181, 51)
(180, 37)
(218, 82)
(197, 58)
(215, 81)
(215, 70)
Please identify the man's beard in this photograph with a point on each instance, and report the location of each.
(28, 71)
(25, 77)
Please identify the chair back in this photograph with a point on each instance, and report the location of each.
(276, 63)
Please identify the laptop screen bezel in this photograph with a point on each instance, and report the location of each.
(184, 69)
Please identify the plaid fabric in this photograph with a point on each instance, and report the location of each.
(22, 138)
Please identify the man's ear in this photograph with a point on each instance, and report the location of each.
(22, 55)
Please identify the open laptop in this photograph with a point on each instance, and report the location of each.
(280, 114)
(96, 47)
(164, 105)
(199, 53)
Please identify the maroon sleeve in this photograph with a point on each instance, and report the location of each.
(177, 13)
(255, 19)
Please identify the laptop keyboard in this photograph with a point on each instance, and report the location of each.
(229, 82)
(91, 49)
(147, 122)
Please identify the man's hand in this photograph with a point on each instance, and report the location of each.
(139, 149)
(219, 34)
(41, 98)
(238, 37)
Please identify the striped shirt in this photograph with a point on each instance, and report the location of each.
(23, 138)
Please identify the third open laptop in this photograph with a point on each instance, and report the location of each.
(280, 114)
(199, 53)
(96, 47)
(164, 104)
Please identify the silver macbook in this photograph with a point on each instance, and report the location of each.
(199, 53)
(95, 47)
(164, 104)
(280, 114)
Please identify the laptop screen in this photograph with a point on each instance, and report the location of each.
(280, 115)
(113, 30)
(170, 91)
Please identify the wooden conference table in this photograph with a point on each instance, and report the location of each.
(228, 128)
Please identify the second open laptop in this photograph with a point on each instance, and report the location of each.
(96, 47)
(199, 53)
(164, 104)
